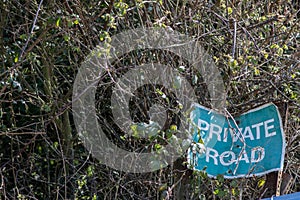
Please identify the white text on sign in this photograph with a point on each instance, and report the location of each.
(252, 132)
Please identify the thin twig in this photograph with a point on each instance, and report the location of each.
(32, 29)
(234, 38)
(23, 133)
(241, 137)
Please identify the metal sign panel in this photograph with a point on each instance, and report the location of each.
(251, 144)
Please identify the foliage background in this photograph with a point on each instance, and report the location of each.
(255, 45)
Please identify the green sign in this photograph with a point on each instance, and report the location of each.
(251, 144)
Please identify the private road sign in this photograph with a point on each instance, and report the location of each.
(251, 144)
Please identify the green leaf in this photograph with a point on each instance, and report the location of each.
(256, 71)
(169, 134)
(66, 38)
(123, 137)
(70, 24)
(181, 68)
(234, 183)
(157, 146)
(266, 55)
(200, 141)
(55, 145)
(159, 91)
(173, 127)
(293, 76)
(221, 193)
(233, 63)
(76, 22)
(216, 192)
(280, 51)
(40, 148)
(58, 22)
(229, 10)
(274, 46)
(234, 192)
(163, 187)
(90, 171)
(261, 183)
(16, 58)
(133, 127)
(23, 36)
(220, 178)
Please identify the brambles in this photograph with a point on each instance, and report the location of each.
(255, 45)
